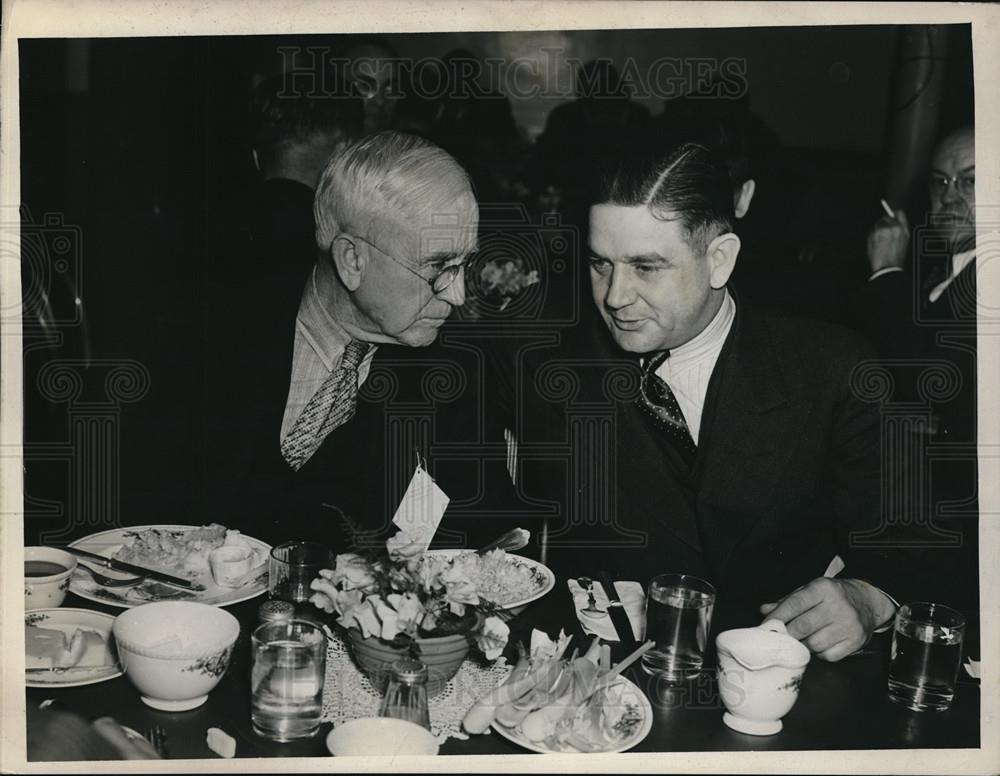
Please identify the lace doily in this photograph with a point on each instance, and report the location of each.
(347, 693)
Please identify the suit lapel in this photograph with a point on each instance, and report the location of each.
(654, 489)
(744, 446)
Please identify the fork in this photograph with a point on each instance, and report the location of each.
(157, 736)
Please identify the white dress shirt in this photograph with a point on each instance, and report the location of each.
(319, 345)
(690, 365)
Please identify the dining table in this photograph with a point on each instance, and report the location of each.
(841, 706)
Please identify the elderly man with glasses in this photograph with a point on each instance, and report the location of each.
(919, 307)
(357, 391)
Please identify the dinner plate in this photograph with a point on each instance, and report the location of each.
(68, 620)
(107, 543)
(543, 578)
(632, 696)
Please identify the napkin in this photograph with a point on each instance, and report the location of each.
(631, 595)
(972, 668)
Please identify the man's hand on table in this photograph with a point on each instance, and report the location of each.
(833, 617)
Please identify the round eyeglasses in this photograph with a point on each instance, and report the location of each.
(965, 185)
(439, 283)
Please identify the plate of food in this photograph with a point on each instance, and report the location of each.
(509, 581)
(556, 705)
(185, 551)
(68, 647)
(618, 719)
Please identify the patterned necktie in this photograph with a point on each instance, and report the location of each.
(331, 406)
(659, 403)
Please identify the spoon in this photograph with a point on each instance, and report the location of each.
(105, 581)
(591, 609)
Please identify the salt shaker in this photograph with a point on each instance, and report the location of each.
(275, 611)
(406, 694)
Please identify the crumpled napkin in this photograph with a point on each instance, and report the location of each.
(631, 595)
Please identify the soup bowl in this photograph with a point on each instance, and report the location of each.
(46, 576)
(175, 652)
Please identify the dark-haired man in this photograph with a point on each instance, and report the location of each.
(705, 436)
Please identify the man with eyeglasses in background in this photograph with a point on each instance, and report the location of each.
(355, 392)
(919, 308)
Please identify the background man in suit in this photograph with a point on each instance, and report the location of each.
(343, 394)
(919, 307)
(294, 134)
(744, 456)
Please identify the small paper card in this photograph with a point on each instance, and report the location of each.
(422, 507)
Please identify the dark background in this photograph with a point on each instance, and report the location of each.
(135, 152)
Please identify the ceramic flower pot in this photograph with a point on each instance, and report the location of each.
(442, 655)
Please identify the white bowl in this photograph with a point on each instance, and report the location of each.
(381, 737)
(175, 652)
(49, 591)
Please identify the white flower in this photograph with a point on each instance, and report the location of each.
(363, 617)
(409, 612)
(459, 589)
(387, 616)
(351, 571)
(493, 637)
(404, 547)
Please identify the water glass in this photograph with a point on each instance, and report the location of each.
(286, 679)
(926, 656)
(678, 617)
(292, 568)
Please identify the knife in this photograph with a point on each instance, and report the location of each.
(616, 611)
(119, 565)
(65, 669)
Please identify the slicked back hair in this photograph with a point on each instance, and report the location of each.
(386, 175)
(685, 182)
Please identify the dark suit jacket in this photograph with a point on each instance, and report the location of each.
(787, 474)
(929, 350)
(414, 400)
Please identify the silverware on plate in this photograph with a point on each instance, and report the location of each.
(105, 581)
(130, 568)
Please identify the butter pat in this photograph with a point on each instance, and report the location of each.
(45, 645)
(50, 648)
(221, 743)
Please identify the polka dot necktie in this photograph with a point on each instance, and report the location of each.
(659, 403)
(331, 406)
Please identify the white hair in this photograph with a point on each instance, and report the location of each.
(383, 175)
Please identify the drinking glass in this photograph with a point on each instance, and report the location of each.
(926, 656)
(678, 617)
(292, 568)
(286, 679)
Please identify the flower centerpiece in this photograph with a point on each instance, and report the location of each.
(400, 601)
